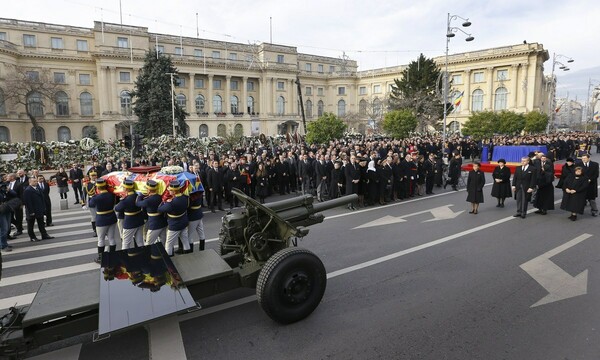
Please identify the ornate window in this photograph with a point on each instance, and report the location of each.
(377, 108)
(125, 103)
(341, 106)
(4, 134)
(34, 104)
(64, 134)
(500, 99)
(200, 103)
(2, 106)
(250, 105)
(203, 131)
(477, 100)
(234, 104)
(238, 130)
(280, 105)
(217, 104)
(221, 130)
(88, 131)
(320, 107)
(38, 134)
(362, 107)
(62, 103)
(86, 104)
(308, 108)
(181, 101)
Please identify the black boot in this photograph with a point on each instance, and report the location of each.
(201, 246)
(112, 248)
(98, 260)
(94, 228)
(179, 250)
(191, 247)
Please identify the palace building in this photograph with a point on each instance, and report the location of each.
(231, 87)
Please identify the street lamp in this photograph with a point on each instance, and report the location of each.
(450, 33)
(552, 101)
(590, 105)
(173, 102)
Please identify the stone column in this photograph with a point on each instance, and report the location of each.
(74, 98)
(524, 86)
(115, 104)
(466, 101)
(209, 101)
(103, 93)
(489, 99)
(191, 98)
(227, 99)
(262, 95)
(243, 104)
(274, 96)
(514, 77)
(293, 100)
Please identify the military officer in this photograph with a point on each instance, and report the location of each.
(157, 222)
(196, 225)
(176, 209)
(133, 222)
(106, 220)
(90, 189)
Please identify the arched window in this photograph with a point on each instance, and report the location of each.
(89, 131)
(218, 104)
(500, 101)
(4, 134)
(85, 103)
(2, 106)
(64, 134)
(234, 104)
(125, 103)
(454, 98)
(320, 107)
(250, 105)
(377, 108)
(181, 101)
(341, 108)
(454, 127)
(280, 105)
(238, 130)
(477, 100)
(203, 131)
(362, 107)
(221, 130)
(200, 104)
(38, 134)
(308, 108)
(34, 104)
(62, 103)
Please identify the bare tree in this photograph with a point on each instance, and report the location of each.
(30, 87)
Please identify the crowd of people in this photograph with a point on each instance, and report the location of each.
(378, 170)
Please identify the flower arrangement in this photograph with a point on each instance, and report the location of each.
(171, 170)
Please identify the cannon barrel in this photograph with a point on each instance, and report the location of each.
(301, 215)
(298, 201)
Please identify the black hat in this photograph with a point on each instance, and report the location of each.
(151, 184)
(570, 159)
(101, 183)
(128, 184)
(174, 185)
(502, 161)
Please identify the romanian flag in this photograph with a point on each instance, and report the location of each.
(597, 116)
(558, 108)
(458, 99)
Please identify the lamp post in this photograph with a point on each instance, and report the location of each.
(173, 103)
(590, 105)
(450, 33)
(552, 101)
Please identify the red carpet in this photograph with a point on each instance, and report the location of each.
(489, 168)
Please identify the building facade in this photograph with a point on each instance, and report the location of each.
(231, 87)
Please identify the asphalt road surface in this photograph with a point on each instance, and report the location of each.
(417, 279)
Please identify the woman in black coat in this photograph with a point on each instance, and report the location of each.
(475, 183)
(501, 188)
(567, 170)
(454, 171)
(574, 193)
(262, 183)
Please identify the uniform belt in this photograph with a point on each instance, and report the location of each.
(104, 212)
(176, 216)
(133, 213)
(195, 207)
(154, 214)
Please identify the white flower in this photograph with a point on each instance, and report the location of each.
(171, 170)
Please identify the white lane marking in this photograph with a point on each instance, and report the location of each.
(46, 258)
(68, 353)
(165, 340)
(41, 275)
(559, 284)
(439, 213)
(70, 218)
(19, 300)
(50, 246)
(56, 236)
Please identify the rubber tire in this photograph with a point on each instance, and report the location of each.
(220, 250)
(288, 265)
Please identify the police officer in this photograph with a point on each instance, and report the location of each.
(106, 220)
(157, 223)
(133, 222)
(176, 209)
(90, 190)
(196, 226)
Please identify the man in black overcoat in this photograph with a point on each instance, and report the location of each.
(590, 169)
(523, 184)
(35, 209)
(352, 175)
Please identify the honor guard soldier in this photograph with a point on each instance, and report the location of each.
(157, 223)
(177, 220)
(196, 225)
(90, 189)
(133, 222)
(106, 220)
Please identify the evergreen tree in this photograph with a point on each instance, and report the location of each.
(152, 98)
(509, 123)
(327, 127)
(536, 122)
(399, 123)
(481, 124)
(417, 91)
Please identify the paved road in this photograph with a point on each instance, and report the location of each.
(419, 279)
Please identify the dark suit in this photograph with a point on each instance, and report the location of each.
(45, 189)
(522, 181)
(35, 208)
(591, 172)
(215, 184)
(76, 174)
(305, 172)
(17, 218)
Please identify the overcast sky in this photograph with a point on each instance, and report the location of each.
(375, 33)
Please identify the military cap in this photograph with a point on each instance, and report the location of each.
(101, 183)
(174, 185)
(151, 184)
(128, 184)
(93, 173)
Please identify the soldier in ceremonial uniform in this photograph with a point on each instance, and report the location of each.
(157, 222)
(106, 220)
(90, 190)
(177, 220)
(133, 223)
(196, 225)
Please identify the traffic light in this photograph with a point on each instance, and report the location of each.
(137, 143)
(127, 139)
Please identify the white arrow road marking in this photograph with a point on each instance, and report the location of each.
(559, 284)
(439, 213)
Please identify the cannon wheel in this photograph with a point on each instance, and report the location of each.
(291, 284)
